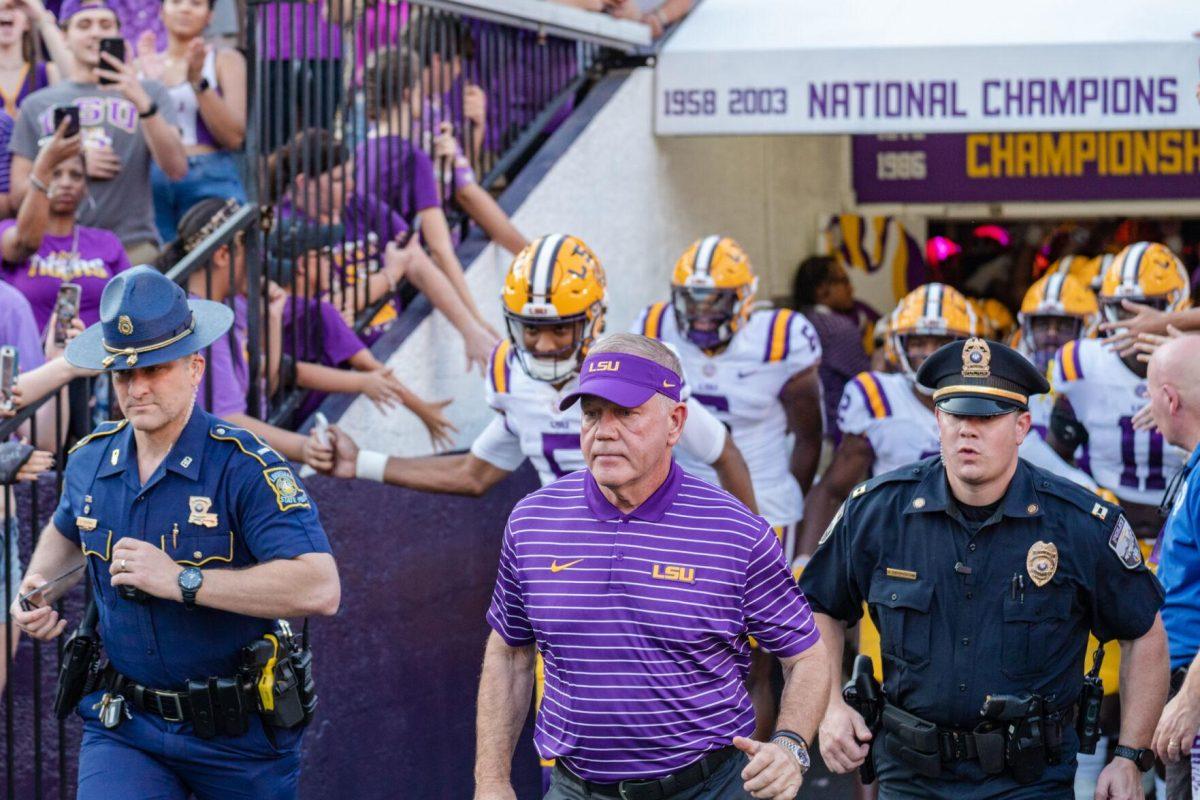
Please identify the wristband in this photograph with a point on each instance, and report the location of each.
(370, 465)
(149, 112)
(37, 184)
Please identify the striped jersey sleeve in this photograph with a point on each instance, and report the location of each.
(863, 403)
(650, 321)
(499, 375)
(776, 611)
(1069, 366)
(507, 612)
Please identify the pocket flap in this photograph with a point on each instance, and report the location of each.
(96, 543)
(1039, 605)
(892, 593)
(196, 550)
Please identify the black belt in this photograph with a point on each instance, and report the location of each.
(959, 745)
(172, 706)
(692, 775)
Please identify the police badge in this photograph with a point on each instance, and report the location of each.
(200, 515)
(288, 493)
(1041, 562)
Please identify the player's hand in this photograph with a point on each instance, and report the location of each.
(773, 773)
(43, 622)
(143, 566)
(345, 464)
(1120, 780)
(1177, 728)
(102, 163)
(843, 736)
(495, 791)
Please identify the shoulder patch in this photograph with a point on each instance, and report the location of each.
(836, 519)
(247, 442)
(103, 429)
(652, 325)
(1099, 511)
(1124, 543)
(288, 493)
(859, 490)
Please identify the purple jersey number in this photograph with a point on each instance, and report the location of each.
(553, 442)
(1154, 472)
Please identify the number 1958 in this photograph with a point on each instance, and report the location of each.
(689, 102)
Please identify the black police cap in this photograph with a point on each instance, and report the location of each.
(980, 378)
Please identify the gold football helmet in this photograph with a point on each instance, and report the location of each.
(712, 291)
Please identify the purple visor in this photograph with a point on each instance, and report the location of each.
(624, 379)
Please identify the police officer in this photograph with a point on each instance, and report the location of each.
(196, 536)
(984, 575)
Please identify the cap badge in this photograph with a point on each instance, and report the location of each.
(1041, 562)
(125, 325)
(976, 359)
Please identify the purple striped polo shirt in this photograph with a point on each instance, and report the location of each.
(643, 620)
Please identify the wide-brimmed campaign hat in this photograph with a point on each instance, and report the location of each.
(624, 379)
(147, 319)
(980, 378)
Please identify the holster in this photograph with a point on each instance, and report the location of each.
(989, 746)
(219, 707)
(80, 664)
(913, 741)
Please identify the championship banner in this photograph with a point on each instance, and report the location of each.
(997, 167)
(1064, 87)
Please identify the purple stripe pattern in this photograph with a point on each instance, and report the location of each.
(1075, 360)
(642, 620)
(771, 335)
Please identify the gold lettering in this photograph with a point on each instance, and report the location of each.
(1120, 153)
(1169, 157)
(1055, 153)
(1145, 153)
(1191, 152)
(1002, 155)
(674, 573)
(976, 168)
(1025, 161)
(1085, 151)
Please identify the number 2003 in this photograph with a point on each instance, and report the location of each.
(744, 102)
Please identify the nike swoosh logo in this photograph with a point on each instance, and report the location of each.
(557, 567)
(744, 373)
(668, 385)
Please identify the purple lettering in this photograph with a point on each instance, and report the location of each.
(988, 110)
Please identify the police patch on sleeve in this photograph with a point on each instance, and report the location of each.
(288, 493)
(833, 524)
(1124, 543)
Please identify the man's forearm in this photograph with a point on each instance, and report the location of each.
(166, 148)
(504, 691)
(833, 635)
(806, 681)
(734, 475)
(452, 474)
(54, 555)
(294, 587)
(1145, 681)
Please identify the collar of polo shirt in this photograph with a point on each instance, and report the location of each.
(651, 509)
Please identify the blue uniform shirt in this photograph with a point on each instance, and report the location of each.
(959, 614)
(221, 499)
(1179, 569)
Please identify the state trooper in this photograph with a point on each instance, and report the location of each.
(196, 536)
(984, 575)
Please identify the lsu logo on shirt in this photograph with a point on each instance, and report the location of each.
(674, 573)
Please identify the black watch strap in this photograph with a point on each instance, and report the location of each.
(149, 112)
(1143, 758)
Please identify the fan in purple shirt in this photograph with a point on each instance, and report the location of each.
(44, 247)
(312, 179)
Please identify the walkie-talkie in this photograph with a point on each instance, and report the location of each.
(1090, 698)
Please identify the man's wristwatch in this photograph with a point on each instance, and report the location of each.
(190, 581)
(1143, 758)
(794, 743)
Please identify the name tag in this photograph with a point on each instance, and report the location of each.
(85, 523)
(906, 574)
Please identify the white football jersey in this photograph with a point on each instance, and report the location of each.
(1105, 394)
(884, 408)
(529, 424)
(741, 387)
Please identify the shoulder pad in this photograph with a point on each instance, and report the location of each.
(103, 429)
(874, 396)
(499, 368)
(652, 320)
(1079, 496)
(247, 442)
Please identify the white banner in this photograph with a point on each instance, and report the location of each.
(927, 90)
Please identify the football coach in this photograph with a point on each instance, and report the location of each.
(641, 587)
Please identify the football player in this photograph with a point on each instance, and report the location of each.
(756, 370)
(1099, 391)
(1057, 309)
(554, 302)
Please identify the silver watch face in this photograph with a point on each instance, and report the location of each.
(191, 579)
